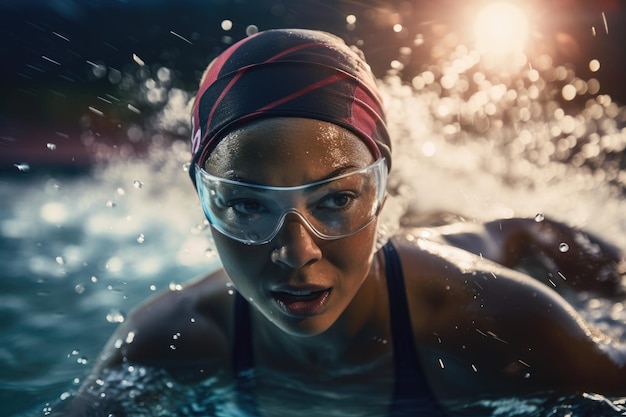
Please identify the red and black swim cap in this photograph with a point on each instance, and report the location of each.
(288, 72)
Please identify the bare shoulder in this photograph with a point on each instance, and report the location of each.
(448, 283)
(187, 328)
(490, 326)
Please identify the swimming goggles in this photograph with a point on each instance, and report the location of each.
(331, 209)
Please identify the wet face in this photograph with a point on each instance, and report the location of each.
(298, 281)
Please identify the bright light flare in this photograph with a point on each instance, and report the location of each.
(501, 28)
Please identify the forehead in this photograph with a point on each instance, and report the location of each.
(304, 149)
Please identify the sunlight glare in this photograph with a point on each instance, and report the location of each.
(501, 28)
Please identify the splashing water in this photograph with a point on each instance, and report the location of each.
(81, 251)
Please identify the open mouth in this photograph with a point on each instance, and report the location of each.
(302, 303)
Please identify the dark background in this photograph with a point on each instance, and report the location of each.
(49, 50)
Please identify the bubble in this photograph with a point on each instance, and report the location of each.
(79, 288)
(94, 279)
(226, 24)
(594, 65)
(60, 260)
(115, 316)
(141, 238)
(186, 166)
(110, 204)
(137, 184)
(51, 146)
(563, 247)
(568, 92)
(539, 217)
(351, 19)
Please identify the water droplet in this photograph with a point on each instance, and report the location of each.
(22, 167)
(118, 343)
(141, 238)
(539, 217)
(60, 260)
(137, 184)
(64, 396)
(115, 316)
(51, 146)
(110, 204)
(79, 288)
(563, 247)
(76, 381)
(186, 166)
(173, 347)
(152, 287)
(82, 360)
(193, 320)
(121, 191)
(130, 337)
(231, 292)
(94, 279)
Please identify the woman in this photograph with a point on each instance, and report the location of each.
(290, 160)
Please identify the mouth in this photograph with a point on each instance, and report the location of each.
(302, 302)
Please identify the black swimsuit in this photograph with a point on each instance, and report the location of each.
(411, 396)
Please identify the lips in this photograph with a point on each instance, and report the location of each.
(302, 302)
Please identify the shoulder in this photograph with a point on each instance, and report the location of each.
(187, 328)
(472, 314)
(445, 280)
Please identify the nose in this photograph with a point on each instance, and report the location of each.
(295, 246)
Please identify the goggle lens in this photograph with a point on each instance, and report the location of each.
(332, 209)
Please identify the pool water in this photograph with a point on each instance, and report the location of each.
(78, 252)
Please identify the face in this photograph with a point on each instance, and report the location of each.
(298, 281)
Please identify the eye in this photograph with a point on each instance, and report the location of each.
(338, 201)
(247, 207)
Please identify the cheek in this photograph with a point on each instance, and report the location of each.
(354, 254)
(241, 262)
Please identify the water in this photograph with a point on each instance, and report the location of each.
(78, 252)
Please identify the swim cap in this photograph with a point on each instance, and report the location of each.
(283, 73)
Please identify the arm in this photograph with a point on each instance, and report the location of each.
(554, 253)
(177, 336)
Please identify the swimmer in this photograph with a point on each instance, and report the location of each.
(290, 159)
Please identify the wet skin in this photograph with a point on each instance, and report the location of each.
(480, 326)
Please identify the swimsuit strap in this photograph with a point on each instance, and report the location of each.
(411, 390)
(243, 358)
